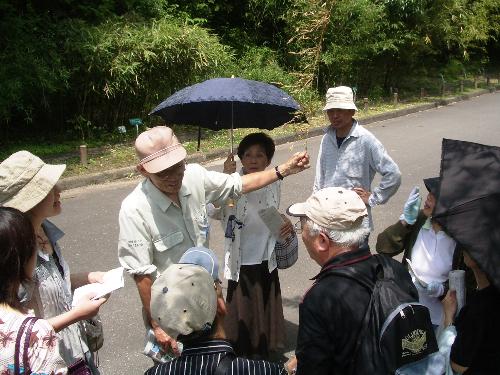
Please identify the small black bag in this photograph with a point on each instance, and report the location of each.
(79, 367)
(397, 336)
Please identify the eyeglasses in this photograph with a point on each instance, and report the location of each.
(298, 227)
(169, 172)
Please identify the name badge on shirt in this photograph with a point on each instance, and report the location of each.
(205, 229)
(203, 225)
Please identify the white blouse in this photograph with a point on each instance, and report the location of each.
(255, 235)
(53, 296)
(235, 221)
(432, 260)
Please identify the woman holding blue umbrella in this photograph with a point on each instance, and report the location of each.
(254, 322)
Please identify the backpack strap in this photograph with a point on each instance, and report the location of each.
(225, 363)
(387, 271)
(351, 273)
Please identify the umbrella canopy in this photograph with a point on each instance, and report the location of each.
(468, 205)
(222, 103)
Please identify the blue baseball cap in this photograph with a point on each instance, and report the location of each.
(203, 257)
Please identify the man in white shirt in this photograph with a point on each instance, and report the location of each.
(166, 213)
(350, 156)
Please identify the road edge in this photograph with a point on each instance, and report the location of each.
(129, 172)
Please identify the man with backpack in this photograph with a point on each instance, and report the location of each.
(361, 315)
(188, 304)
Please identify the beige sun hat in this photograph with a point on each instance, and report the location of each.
(25, 180)
(332, 208)
(184, 300)
(158, 148)
(340, 97)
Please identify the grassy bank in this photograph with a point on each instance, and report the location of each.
(115, 151)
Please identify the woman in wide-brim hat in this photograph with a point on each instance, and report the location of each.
(30, 185)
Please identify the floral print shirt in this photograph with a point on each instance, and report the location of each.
(43, 351)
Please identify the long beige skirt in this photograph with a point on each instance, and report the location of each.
(254, 322)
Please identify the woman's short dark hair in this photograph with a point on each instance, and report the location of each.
(17, 246)
(261, 139)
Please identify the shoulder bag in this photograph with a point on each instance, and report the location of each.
(29, 322)
(287, 252)
(94, 334)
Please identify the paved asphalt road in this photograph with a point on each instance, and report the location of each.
(90, 216)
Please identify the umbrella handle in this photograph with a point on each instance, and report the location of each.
(230, 201)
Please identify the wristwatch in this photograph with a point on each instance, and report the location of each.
(278, 174)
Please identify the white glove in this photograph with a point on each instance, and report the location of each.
(435, 289)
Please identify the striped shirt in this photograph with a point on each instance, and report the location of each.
(355, 163)
(202, 359)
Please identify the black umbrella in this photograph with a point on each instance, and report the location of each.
(468, 205)
(225, 103)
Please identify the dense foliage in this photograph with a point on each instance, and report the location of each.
(87, 66)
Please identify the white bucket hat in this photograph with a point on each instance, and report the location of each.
(25, 180)
(340, 97)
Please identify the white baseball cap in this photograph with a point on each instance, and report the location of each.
(332, 208)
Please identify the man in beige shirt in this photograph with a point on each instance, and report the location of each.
(166, 213)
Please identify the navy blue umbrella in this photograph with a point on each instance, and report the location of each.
(225, 103)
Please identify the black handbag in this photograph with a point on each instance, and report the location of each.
(79, 367)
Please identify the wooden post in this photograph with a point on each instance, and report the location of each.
(475, 82)
(422, 93)
(461, 86)
(365, 104)
(395, 102)
(83, 154)
(199, 138)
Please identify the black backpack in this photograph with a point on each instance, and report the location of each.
(397, 336)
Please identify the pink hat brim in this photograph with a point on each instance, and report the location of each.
(165, 161)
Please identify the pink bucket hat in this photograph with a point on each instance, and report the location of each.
(159, 149)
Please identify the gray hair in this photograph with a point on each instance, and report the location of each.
(342, 237)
